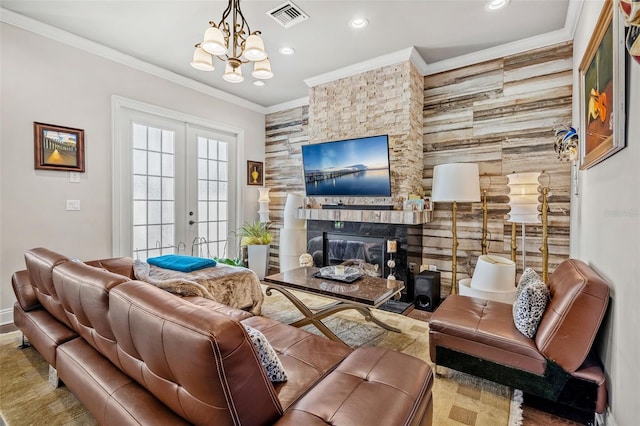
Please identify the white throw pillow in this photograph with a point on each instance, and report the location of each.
(530, 303)
(268, 356)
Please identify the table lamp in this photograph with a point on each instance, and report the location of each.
(455, 183)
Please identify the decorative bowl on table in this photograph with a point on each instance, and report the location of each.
(329, 272)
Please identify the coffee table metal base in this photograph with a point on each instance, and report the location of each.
(314, 315)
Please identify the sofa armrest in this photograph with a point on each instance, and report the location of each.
(24, 291)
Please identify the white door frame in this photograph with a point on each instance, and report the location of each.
(118, 104)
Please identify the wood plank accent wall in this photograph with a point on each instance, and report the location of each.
(286, 132)
(501, 114)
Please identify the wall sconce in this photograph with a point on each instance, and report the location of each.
(523, 201)
(453, 183)
(264, 200)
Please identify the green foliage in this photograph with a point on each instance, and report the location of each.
(255, 233)
(233, 262)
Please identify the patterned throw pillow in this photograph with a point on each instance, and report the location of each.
(268, 356)
(530, 302)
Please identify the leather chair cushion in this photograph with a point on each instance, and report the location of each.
(368, 374)
(483, 328)
(305, 357)
(579, 299)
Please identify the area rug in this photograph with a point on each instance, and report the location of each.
(458, 398)
(27, 398)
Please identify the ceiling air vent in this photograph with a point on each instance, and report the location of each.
(288, 14)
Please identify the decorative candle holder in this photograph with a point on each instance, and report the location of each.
(392, 247)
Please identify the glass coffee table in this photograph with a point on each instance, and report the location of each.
(361, 295)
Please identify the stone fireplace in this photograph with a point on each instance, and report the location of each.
(333, 242)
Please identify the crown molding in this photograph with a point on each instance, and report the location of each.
(501, 51)
(573, 16)
(408, 54)
(81, 43)
(554, 37)
(287, 105)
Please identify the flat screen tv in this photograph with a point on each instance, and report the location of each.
(354, 167)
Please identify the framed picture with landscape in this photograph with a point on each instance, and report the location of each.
(602, 90)
(58, 148)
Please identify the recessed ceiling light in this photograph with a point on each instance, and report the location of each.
(496, 4)
(259, 83)
(358, 23)
(287, 50)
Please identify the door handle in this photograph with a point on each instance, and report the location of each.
(191, 222)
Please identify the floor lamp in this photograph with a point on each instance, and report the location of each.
(523, 201)
(455, 183)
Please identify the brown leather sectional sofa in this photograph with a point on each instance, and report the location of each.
(479, 337)
(135, 354)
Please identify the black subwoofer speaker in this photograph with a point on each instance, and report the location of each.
(427, 290)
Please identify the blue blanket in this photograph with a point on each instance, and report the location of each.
(181, 263)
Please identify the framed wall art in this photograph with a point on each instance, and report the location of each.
(602, 90)
(58, 148)
(255, 173)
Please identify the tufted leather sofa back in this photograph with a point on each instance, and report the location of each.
(40, 264)
(84, 294)
(223, 383)
(117, 265)
(579, 299)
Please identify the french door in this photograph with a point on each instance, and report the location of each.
(173, 188)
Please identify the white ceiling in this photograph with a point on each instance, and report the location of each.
(446, 33)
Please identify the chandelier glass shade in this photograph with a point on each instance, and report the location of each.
(234, 43)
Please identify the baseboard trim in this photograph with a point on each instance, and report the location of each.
(606, 418)
(6, 316)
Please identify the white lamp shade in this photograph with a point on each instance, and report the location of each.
(456, 182)
(202, 60)
(494, 273)
(233, 75)
(523, 197)
(499, 296)
(254, 48)
(214, 42)
(262, 70)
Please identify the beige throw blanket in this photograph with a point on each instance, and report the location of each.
(230, 285)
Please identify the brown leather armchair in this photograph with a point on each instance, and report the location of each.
(479, 337)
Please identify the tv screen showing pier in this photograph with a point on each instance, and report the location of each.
(354, 167)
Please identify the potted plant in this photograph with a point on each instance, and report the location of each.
(257, 237)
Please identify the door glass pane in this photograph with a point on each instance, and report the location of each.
(212, 172)
(153, 191)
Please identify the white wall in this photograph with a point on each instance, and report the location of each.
(605, 232)
(47, 81)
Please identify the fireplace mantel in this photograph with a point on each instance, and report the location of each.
(403, 217)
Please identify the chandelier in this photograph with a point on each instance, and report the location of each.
(233, 43)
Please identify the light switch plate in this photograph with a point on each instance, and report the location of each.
(73, 205)
(74, 177)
